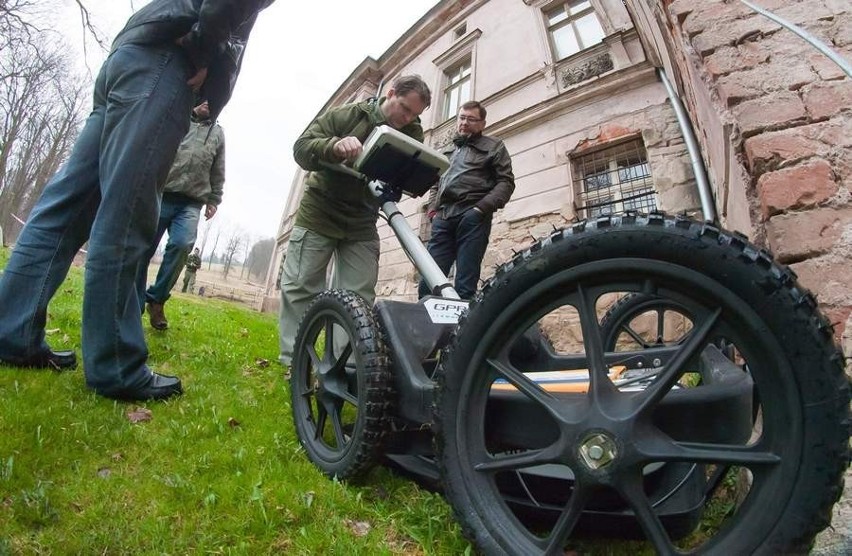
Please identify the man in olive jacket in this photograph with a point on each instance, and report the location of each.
(337, 214)
(196, 180)
(478, 182)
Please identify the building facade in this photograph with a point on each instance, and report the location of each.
(573, 88)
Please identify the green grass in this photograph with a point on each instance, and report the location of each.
(218, 470)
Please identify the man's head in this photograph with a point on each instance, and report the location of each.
(407, 98)
(471, 119)
(202, 111)
(195, 251)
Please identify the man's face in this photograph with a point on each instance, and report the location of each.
(202, 110)
(401, 110)
(469, 123)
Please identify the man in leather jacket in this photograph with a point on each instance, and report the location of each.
(108, 192)
(478, 182)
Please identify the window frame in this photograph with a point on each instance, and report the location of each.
(619, 187)
(570, 22)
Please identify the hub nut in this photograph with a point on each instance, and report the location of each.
(597, 451)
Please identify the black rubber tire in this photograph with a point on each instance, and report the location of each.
(727, 283)
(340, 411)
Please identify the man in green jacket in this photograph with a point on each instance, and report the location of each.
(196, 179)
(337, 214)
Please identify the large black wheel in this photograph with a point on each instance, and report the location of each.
(340, 385)
(670, 421)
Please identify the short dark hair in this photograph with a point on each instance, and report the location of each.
(471, 104)
(413, 83)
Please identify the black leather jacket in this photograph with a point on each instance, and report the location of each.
(217, 34)
(480, 175)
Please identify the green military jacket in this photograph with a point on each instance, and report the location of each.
(198, 171)
(334, 204)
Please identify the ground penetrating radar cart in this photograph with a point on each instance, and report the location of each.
(631, 376)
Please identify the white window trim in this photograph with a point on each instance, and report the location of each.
(541, 6)
(463, 48)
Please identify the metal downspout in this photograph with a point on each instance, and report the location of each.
(815, 42)
(708, 207)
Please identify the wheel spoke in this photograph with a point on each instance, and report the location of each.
(328, 355)
(340, 361)
(635, 335)
(516, 461)
(673, 370)
(322, 416)
(338, 428)
(661, 332)
(528, 386)
(568, 519)
(315, 360)
(748, 456)
(631, 489)
(599, 382)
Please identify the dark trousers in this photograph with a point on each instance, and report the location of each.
(462, 240)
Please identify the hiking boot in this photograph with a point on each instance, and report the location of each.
(157, 316)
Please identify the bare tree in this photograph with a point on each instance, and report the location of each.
(236, 241)
(41, 108)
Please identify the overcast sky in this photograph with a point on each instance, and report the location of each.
(298, 55)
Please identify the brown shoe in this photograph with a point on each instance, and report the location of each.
(157, 316)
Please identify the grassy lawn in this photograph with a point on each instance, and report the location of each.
(218, 470)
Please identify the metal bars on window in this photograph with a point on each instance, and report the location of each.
(615, 179)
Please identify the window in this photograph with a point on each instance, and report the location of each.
(573, 26)
(613, 180)
(457, 91)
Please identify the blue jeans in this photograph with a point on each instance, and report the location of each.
(180, 217)
(462, 240)
(109, 193)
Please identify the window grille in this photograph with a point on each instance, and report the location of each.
(615, 179)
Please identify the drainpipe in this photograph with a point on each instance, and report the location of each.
(815, 42)
(708, 207)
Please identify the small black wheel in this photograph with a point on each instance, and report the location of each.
(639, 321)
(527, 464)
(340, 385)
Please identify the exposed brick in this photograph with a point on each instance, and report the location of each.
(798, 187)
(768, 151)
(830, 279)
(772, 111)
(767, 78)
(826, 99)
(841, 31)
(804, 12)
(707, 16)
(727, 33)
(800, 235)
(729, 59)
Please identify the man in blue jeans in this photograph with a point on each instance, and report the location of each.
(196, 180)
(478, 182)
(108, 192)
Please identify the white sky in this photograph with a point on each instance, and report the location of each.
(298, 55)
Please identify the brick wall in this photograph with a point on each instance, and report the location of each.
(790, 110)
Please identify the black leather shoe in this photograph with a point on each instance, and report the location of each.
(160, 387)
(56, 360)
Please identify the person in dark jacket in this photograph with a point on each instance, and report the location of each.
(478, 182)
(108, 191)
(337, 214)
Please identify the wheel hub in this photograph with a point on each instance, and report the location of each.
(598, 450)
